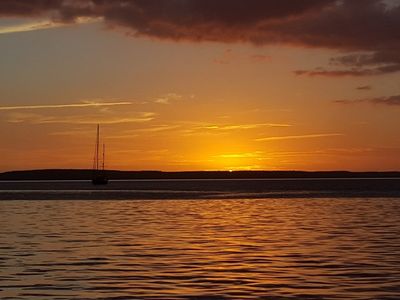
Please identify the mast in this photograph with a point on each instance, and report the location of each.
(99, 178)
(97, 147)
(104, 155)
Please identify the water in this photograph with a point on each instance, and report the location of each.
(201, 189)
(272, 248)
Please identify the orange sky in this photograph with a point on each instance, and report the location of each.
(210, 104)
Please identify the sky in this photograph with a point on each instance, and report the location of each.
(200, 84)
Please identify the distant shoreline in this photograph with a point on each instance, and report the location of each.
(78, 174)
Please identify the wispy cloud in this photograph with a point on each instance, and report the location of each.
(296, 137)
(158, 128)
(122, 136)
(242, 126)
(42, 25)
(73, 132)
(71, 105)
(336, 152)
(364, 88)
(256, 154)
(229, 56)
(336, 73)
(147, 131)
(168, 98)
(83, 119)
(216, 129)
(29, 27)
(257, 58)
(389, 101)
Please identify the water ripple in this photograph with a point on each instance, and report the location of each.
(201, 249)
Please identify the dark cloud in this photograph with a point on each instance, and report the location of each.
(377, 63)
(393, 100)
(367, 30)
(337, 73)
(28, 8)
(390, 101)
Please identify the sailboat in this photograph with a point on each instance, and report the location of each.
(99, 177)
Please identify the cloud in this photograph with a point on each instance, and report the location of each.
(73, 132)
(71, 105)
(241, 126)
(364, 88)
(378, 63)
(40, 25)
(80, 119)
(338, 73)
(340, 152)
(367, 30)
(168, 98)
(228, 56)
(159, 128)
(255, 154)
(202, 128)
(29, 27)
(296, 137)
(390, 101)
(29, 8)
(260, 58)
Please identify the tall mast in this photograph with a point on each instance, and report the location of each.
(104, 154)
(97, 146)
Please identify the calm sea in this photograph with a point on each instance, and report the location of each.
(291, 239)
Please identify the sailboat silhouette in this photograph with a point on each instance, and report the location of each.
(99, 177)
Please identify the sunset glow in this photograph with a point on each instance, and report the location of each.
(199, 149)
(272, 93)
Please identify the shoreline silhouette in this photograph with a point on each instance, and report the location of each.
(86, 174)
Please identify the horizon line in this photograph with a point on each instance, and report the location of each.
(209, 171)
